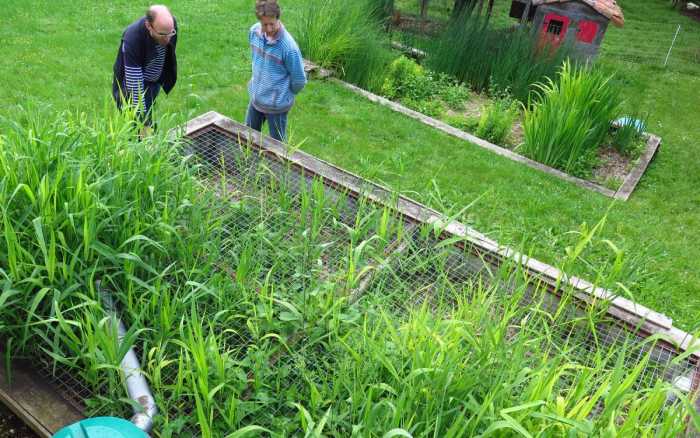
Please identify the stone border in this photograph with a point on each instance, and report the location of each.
(623, 192)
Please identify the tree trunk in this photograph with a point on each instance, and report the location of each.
(461, 6)
(480, 7)
(489, 8)
(423, 9)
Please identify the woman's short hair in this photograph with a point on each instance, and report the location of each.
(267, 8)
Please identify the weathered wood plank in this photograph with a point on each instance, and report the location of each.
(318, 71)
(200, 122)
(34, 401)
(409, 51)
(633, 178)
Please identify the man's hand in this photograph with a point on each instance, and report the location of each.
(145, 132)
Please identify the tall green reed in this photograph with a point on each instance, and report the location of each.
(628, 136)
(475, 52)
(568, 119)
(346, 37)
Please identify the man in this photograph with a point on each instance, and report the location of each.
(278, 71)
(146, 62)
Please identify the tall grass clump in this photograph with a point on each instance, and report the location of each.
(348, 38)
(568, 119)
(475, 52)
(382, 10)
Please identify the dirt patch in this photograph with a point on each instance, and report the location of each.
(613, 167)
(414, 24)
(472, 111)
(12, 427)
(472, 107)
(517, 133)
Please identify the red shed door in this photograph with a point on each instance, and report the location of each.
(587, 30)
(554, 30)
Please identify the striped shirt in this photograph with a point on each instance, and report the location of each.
(154, 68)
(136, 75)
(142, 65)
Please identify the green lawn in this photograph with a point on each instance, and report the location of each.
(60, 54)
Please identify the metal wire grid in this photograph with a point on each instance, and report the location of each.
(416, 282)
(606, 342)
(419, 268)
(414, 276)
(426, 269)
(73, 389)
(426, 273)
(226, 156)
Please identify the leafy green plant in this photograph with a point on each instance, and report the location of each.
(402, 76)
(454, 94)
(567, 120)
(429, 107)
(497, 120)
(236, 288)
(462, 122)
(423, 90)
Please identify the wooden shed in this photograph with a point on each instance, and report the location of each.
(581, 23)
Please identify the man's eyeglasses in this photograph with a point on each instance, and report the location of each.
(172, 33)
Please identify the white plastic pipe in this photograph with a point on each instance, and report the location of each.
(136, 383)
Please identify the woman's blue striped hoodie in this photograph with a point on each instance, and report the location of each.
(278, 71)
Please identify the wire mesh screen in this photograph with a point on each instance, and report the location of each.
(306, 232)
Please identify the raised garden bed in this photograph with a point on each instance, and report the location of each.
(616, 176)
(298, 228)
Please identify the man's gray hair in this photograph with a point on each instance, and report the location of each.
(267, 8)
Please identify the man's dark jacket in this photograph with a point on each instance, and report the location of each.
(141, 48)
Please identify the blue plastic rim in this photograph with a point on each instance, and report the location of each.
(101, 427)
(629, 121)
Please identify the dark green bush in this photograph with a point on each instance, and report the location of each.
(405, 78)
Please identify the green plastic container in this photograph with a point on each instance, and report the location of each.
(101, 427)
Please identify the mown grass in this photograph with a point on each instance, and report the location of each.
(236, 294)
(654, 229)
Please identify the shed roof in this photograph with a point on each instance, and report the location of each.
(607, 8)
